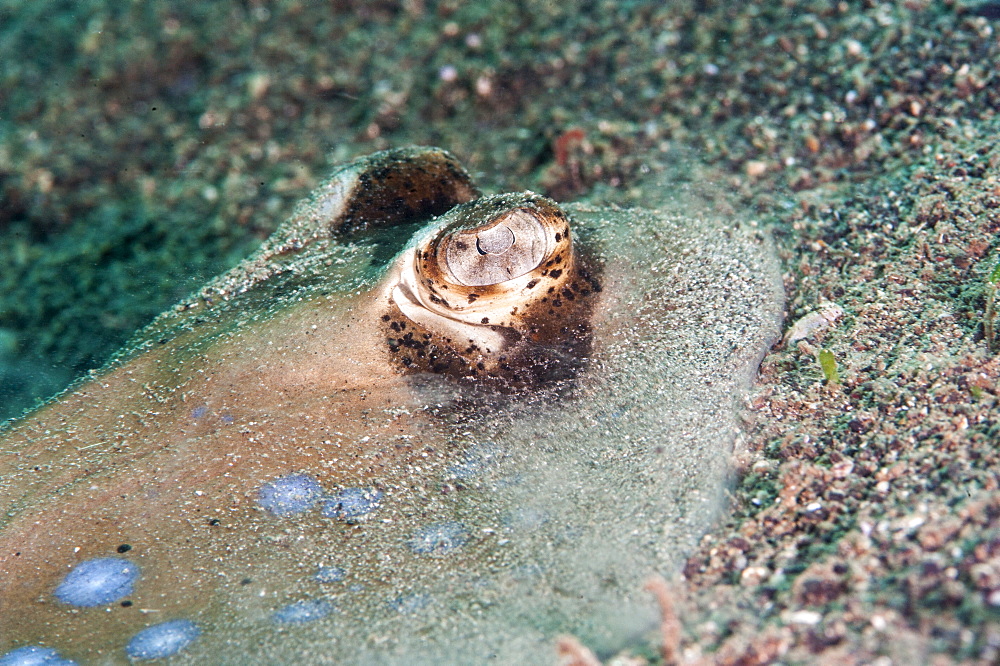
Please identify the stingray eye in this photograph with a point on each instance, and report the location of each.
(485, 253)
(489, 262)
(501, 250)
(494, 290)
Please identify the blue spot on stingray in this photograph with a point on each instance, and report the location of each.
(199, 412)
(526, 518)
(508, 482)
(98, 582)
(162, 640)
(350, 504)
(34, 655)
(329, 575)
(465, 469)
(438, 538)
(476, 460)
(526, 572)
(301, 612)
(608, 414)
(227, 418)
(411, 603)
(290, 494)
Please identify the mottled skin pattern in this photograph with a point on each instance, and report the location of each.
(165, 452)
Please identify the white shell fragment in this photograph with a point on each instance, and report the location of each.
(812, 322)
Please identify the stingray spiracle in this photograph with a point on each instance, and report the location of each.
(496, 278)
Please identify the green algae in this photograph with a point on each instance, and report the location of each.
(125, 267)
(828, 363)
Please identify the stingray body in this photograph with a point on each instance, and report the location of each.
(456, 454)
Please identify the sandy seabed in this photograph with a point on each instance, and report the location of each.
(144, 148)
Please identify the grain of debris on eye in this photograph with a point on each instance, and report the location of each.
(812, 322)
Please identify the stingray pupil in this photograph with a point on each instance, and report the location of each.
(495, 241)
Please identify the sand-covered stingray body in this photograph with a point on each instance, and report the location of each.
(355, 448)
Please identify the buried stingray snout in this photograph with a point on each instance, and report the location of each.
(496, 291)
